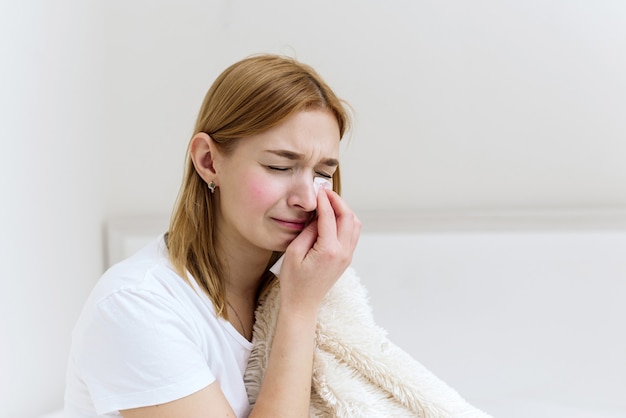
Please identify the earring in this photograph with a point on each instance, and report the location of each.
(212, 186)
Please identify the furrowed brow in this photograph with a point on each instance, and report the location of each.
(290, 155)
(330, 162)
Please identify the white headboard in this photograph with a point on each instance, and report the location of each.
(505, 307)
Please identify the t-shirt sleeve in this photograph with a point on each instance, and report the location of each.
(139, 350)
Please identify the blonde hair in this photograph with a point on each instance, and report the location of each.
(249, 97)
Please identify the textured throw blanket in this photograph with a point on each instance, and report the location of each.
(357, 371)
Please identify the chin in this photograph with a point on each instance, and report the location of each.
(277, 241)
(282, 246)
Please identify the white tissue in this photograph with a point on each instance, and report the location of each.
(277, 265)
(318, 182)
(321, 182)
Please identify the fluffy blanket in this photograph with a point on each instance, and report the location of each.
(357, 371)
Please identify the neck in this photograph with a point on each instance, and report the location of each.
(242, 277)
(243, 271)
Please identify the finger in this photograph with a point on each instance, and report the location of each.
(356, 233)
(346, 220)
(301, 245)
(326, 223)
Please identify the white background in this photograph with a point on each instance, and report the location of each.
(459, 107)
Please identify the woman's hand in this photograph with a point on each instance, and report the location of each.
(319, 255)
(313, 263)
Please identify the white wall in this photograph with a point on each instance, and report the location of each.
(51, 182)
(485, 105)
(459, 105)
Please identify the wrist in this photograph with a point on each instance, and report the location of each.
(298, 315)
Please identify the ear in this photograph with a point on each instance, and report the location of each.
(204, 155)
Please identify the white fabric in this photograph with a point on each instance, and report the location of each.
(357, 371)
(145, 337)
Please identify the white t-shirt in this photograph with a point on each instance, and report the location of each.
(146, 337)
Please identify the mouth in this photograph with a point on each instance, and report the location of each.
(296, 225)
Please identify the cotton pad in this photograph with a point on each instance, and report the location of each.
(318, 183)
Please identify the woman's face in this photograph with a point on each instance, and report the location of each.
(266, 193)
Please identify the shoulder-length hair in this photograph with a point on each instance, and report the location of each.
(248, 98)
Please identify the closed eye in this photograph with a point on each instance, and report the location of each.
(318, 173)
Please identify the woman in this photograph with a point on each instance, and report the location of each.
(167, 332)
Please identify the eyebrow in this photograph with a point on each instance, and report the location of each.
(330, 162)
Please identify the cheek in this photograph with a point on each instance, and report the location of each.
(260, 190)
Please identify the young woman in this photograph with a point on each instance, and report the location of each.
(166, 333)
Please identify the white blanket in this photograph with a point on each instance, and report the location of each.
(357, 371)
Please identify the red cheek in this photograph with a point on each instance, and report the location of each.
(255, 186)
(259, 189)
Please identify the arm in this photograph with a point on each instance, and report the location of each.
(207, 402)
(313, 263)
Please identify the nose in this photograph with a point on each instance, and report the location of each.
(302, 195)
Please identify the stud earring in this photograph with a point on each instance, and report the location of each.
(212, 186)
